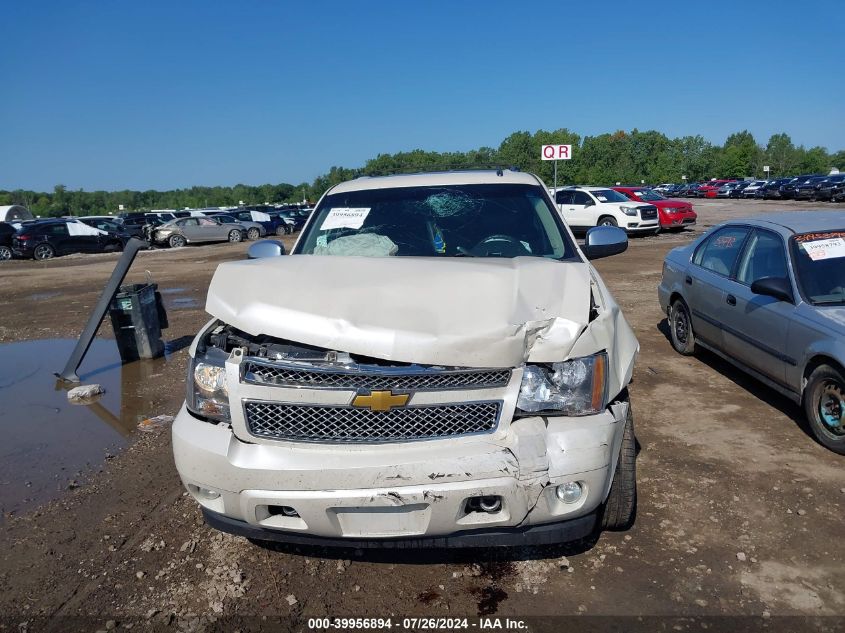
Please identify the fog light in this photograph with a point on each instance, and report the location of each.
(570, 492)
(207, 493)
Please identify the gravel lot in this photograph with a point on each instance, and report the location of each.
(740, 511)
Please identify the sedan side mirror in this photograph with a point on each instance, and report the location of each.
(777, 287)
(604, 241)
(265, 248)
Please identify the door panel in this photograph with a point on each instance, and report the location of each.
(707, 278)
(756, 327)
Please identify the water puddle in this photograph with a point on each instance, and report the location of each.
(41, 296)
(177, 299)
(46, 439)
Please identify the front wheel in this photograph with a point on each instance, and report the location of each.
(608, 221)
(282, 229)
(176, 241)
(43, 251)
(253, 233)
(5, 253)
(620, 509)
(824, 406)
(680, 328)
(235, 236)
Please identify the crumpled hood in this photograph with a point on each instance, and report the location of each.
(457, 311)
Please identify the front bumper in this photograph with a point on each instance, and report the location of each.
(351, 494)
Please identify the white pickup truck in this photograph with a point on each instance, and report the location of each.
(436, 364)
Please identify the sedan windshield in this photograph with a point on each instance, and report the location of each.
(648, 196)
(498, 220)
(819, 261)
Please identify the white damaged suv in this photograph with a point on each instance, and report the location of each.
(436, 364)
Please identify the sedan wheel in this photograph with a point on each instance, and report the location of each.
(5, 253)
(282, 229)
(43, 251)
(680, 328)
(253, 233)
(235, 236)
(176, 241)
(824, 406)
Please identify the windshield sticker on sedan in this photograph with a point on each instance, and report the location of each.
(825, 249)
(345, 218)
(725, 241)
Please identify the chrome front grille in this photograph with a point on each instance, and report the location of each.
(648, 212)
(317, 423)
(402, 379)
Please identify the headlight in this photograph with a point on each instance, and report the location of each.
(628, 210)
(208, 393)
(572, 387)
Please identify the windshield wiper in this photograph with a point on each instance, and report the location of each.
(828, 302)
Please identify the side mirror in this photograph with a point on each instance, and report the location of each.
(604, 241)
(777, 287)
(265, 248)
(589, 203)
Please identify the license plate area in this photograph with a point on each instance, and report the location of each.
(382, 521)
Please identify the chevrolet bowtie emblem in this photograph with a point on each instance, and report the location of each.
(381, 400)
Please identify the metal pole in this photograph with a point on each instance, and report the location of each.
(555, 177)
(129, 252)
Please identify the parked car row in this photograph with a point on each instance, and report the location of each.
(812, 187)
(47, 238)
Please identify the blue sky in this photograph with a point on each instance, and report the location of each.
(159, 95)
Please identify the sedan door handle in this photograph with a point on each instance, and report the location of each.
(688, 280)
(731, 300)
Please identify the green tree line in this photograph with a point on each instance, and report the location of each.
(626, 157)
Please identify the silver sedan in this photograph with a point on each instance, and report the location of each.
(768, 295)
(183, 231)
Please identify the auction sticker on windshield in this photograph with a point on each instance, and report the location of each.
(825, 249)
(345, 218)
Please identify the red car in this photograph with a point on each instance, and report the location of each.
(710, 188)
(673, 214)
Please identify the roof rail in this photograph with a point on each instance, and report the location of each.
(447, 168)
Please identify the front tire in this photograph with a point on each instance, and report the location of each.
(176, 241)
(608, 221)
(680, 328)
(620, 509)
(253, 234)
(235, 236)
(43, 251)
(824, 406)
(5, 253)
(282, 229)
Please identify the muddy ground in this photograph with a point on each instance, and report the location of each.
(740, 511)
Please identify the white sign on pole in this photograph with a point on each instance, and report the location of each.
(765, 168)
(556, 152)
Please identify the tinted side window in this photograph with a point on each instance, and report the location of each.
(719, 252)
(563, 197)
(55, 229)
(188, 222)
(764, 257)
(581, 198)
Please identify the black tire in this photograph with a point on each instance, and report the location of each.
(607, 220)
(43, 251)
(824, 406)
(253, 233)
(176, 241)
(282, 229)
(680, 328)
(5, 253)
(620, 508)
(235, 236)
